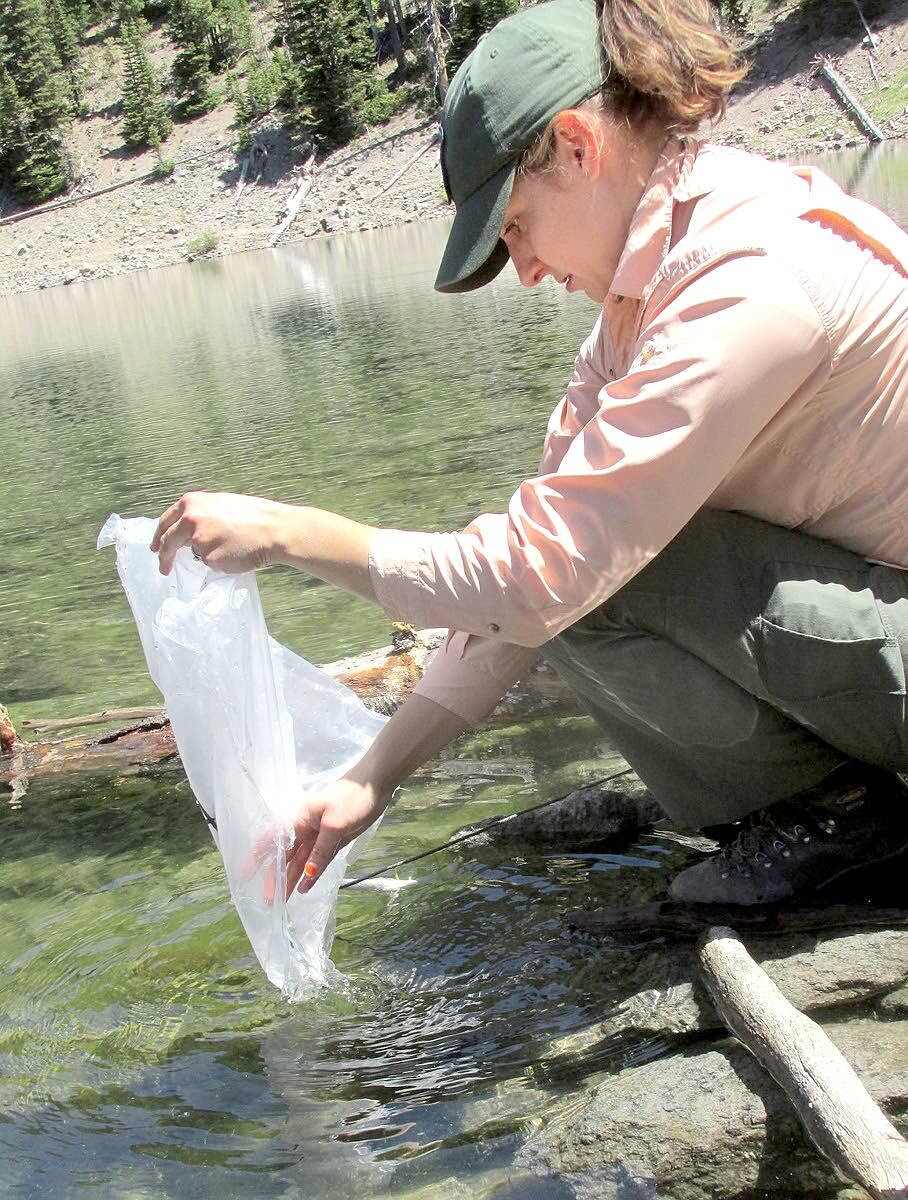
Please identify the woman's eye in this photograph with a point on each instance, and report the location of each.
(511, 227)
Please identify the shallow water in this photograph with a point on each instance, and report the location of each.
(142, 1054)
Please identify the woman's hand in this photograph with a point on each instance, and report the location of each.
(242, 533)
(333, 817)
(326, 823)
(230, 532)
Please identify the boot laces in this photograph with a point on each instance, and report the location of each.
(768, 837)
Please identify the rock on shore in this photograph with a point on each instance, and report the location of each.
(710, 1124)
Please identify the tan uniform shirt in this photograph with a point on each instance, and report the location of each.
(752, 355)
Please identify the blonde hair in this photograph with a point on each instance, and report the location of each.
(662, 60)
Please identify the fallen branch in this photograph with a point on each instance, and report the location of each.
(408, 164)
(99, 718)
(381, 678)
(691, 920)
(840, 1117)
(293, 206)
(870, 38)
(154, 174)
(241, 182)
(850, 102)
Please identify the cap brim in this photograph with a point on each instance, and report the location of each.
(475, 253)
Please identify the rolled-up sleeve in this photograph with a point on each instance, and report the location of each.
(714, 364)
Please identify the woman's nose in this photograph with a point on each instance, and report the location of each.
(530, 270)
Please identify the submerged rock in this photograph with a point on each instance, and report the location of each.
(709, 1124)
(616, 809)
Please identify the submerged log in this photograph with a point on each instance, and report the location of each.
(381, 678)
(834, 1107)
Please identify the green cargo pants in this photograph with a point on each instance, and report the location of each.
(743, 664)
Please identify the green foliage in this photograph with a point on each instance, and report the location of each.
(129, 10)
(190, 21)
(203, 243)
(331, 75)
(379, 104)
(209, 35)
(64, 31)
(258, 96)
(163, 168)
(230, 32)
(145, 119)
(32, 61)
(471, 19)
(733, 12)
(32, 159)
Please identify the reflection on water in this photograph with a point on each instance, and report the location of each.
(141, 1052)
(878, 173)
(330, 373)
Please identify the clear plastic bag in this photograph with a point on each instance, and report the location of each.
(257, 727)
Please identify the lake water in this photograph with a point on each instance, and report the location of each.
(141, 1052)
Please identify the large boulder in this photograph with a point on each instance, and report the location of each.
(709, 1124)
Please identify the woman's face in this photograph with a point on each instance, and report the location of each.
(554, 225)
(571, 222)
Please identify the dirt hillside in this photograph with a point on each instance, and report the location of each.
(782, 108)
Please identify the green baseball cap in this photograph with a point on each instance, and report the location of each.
(529, 67)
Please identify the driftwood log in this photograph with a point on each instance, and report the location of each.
(850, 102)
(294, 202)
(381, 678)
(834, 1107)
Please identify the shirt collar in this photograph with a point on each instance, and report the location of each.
(649, 235)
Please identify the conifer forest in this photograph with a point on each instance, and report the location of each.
(327, 68)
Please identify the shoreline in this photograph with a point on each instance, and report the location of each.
(390, 175)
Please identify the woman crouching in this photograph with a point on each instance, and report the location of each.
(714, 550)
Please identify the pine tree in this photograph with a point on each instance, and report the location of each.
(32, 60)
(145, 119)
(332, 73)
(32, 160)
(231, 31)
(64, 30)
(189, 28)
(471, 20)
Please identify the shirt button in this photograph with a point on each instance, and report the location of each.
(493, 628)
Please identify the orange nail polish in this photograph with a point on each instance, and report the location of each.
(310, 870)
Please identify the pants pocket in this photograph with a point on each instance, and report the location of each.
(827, 659)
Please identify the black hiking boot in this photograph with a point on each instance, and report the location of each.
(855, 818)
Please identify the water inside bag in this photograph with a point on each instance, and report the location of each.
(257, 728)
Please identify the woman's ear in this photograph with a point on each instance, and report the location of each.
(578, 142)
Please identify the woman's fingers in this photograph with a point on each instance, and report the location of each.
(167, 519)
(175, 529)
(325, 824)
(175, 536)
(309, 866)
